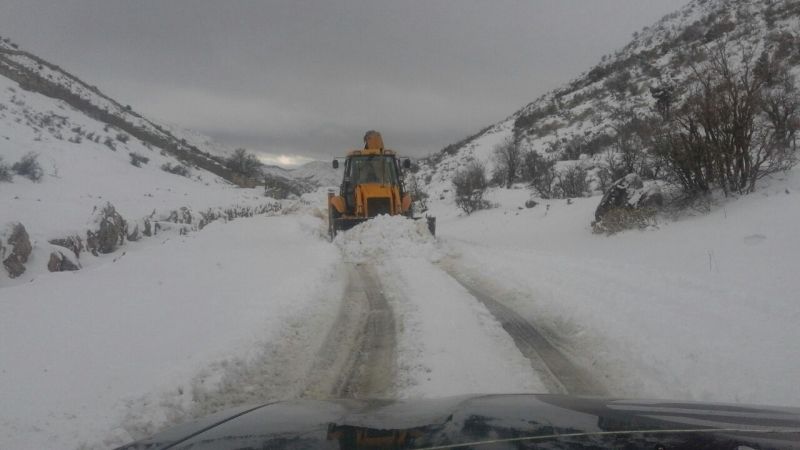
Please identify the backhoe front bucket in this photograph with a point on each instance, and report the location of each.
(338, 224)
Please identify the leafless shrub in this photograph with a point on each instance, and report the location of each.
(604, 178)
(137, 160)
(732, 129)
(5, 171)
(572, 182)
(28, 166)
(419, 198)
(539, 172)
(176, 169)
(508, 157)
(470, 183)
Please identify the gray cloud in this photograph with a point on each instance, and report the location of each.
(309, 77)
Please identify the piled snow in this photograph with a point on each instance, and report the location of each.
(385, 237)
(171, 328)
(448, 342)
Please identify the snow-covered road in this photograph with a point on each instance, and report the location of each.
(248, 311)
(264, 309)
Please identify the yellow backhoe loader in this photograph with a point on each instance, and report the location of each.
(372, 184)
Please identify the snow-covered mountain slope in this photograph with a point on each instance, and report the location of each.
(319, 173)
(92, 151)
(197, 139)
(85, 163)
(37, 75)
(580, 117)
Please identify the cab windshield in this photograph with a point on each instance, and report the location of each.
(373, 169)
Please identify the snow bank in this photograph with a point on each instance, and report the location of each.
(387, 236)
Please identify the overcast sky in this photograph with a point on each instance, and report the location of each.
(307, 78)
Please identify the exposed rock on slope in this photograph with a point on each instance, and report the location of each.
(18, 246)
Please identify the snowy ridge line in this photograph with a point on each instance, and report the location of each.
(28, 71)
(556, 370)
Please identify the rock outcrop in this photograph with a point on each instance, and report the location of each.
(74, 243)
(59, 262)
(111, 232)
(19, 248)
(628, 203)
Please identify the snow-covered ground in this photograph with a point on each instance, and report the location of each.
(102, 355)
(449, 343)
(703, 308)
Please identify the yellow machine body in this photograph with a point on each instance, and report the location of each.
(371, 185)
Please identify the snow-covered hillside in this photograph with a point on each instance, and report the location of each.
(92, 152)
(37, 75)
(216, 296)
(86, 163)
(580, 119)
(319, 173)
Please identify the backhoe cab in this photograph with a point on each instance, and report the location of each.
(372, 184)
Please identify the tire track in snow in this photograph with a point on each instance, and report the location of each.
(556, 370)
(448, 342)
(358, 357)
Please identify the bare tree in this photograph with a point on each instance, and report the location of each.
(5, 171)
(539, 172)
(732, 129)
(419, 197)
(244, 163)
(470, 183)
(508, 158)
(572, 182)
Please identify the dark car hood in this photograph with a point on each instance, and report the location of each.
(489, 421)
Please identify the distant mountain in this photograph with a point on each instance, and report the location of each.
(319, 173)
(113, 125)
(34, 74)
(578, 119)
